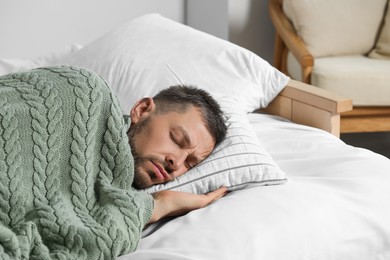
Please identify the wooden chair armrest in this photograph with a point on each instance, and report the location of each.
(290, 39)
(309, 105)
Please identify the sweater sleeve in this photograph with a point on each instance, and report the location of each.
(66, 169)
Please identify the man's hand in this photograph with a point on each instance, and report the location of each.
(173, 203)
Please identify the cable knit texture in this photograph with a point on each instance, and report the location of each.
(65, 169)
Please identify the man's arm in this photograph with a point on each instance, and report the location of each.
(173, 203)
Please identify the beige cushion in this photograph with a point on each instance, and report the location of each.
(382, 48)
(364, 80)
(335, 27)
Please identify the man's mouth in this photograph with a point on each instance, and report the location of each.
(159, 172)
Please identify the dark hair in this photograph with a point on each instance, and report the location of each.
(179, 98)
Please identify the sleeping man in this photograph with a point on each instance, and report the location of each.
(169, 134)
(72, 171)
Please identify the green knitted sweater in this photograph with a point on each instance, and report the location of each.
(66, 169)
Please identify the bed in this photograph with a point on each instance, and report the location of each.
(323, 212)
(316, 198)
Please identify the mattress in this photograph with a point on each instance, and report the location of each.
(334, 206)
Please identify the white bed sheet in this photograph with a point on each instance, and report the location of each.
(334, 206)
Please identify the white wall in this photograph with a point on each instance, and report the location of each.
(210, 16)
(40, 31)
(244, 22)
(250, 27)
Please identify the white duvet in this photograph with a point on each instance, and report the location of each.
(336, 205)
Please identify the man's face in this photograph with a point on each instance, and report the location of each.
(167, 145)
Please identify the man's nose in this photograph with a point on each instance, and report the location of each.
(175, 162)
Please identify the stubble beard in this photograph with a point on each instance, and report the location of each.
(143, 180)
(140, 181)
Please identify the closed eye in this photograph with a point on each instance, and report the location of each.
(180, 136)
(178, 141)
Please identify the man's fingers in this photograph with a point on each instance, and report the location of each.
(173, 203)
(217, 194)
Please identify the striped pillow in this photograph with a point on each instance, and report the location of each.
(240, 161)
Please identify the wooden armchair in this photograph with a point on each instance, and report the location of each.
(289, 44)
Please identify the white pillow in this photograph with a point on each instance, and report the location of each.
(240, 161)
(152, 52)
(334, 27)
(53, 58)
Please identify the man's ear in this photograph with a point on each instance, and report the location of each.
(142, 109)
